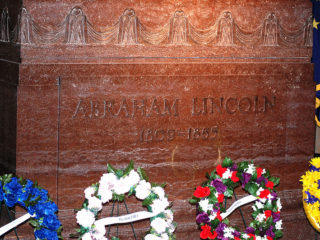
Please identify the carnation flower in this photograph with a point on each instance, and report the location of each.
(228, 232)
(159, 191)
(85, 218)
(106, 195)
(143, 190)
(205, 206)
(133, 177)
(279, 225)
(159, 205)
(99, 231)
(164, 236)
(88, 192)
(227, 174)
(169, 215)
(152, 237)
(95, 203)
(122, 186)
(108, 181)
(279, 204)
(159, 225)
(260, 217)
(251, 168)
(86, 236)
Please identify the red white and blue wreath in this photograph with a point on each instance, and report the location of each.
(18, 191)
(116, 185)
(210, 197)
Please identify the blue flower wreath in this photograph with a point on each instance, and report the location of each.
(35, 200)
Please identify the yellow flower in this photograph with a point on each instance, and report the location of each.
(315, 162)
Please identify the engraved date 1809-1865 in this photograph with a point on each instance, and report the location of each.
(168, 135)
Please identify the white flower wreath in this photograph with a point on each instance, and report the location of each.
(114, 186)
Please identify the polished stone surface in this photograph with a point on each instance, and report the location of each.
(173, 85)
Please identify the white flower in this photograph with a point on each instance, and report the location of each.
(205, 206)
(159, 225)
(143, 190)
(95, 203)
(228, 232)
(169, 215)
(88, 192)
(279, 206)
(261, 217)
(159, 191)
(279, 225)
(99, 231)
(121, 186)
(227, 174)
(107, 181)
(212, 216)
(133, 177)
(171, 228)
(257, 205)
(159, 205)
(85, 218)
(263, 171)
(261, 238)
(106, 195)
(164, 236)
(151, 237)
(251, 168)
(86, 236)
(245, 236)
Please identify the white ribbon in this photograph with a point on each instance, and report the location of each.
(132, 217)
(14, 223)
(238, 204)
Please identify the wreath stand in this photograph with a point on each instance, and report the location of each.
(111, 215)
(10, 218)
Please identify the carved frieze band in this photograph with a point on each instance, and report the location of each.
(76, 29)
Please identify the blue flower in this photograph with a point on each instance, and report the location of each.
(46, 234)
(1, 192)
(45, 208)
(10, 199)
(51, 222)
(13, 186)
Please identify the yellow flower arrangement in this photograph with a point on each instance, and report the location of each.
(311, 193)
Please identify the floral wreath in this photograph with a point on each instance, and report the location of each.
(114, 186)
(36, 201)
(209, 197)
(311, 193)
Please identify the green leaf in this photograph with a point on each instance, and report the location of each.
(268, 206)
(242, 166)
(34, 223)
(142, 174)
(111, 169)
(148, 201)
(278, 234)
(115, 238)
(163, 185)
(193, 200)
(128, 168)
(227, 162)
(119, 173)
(252, 188)
(228, 193)
(117, 197)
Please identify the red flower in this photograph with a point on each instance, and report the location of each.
(267, 213)
(259, 172)
(252, 236)
(269, 238)
(201, 192)
(219, 216)
(236, 238)
(270, 184)
(220, 170)
(206, 233)
(234, 177)
(264, 193)
(220, 197)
